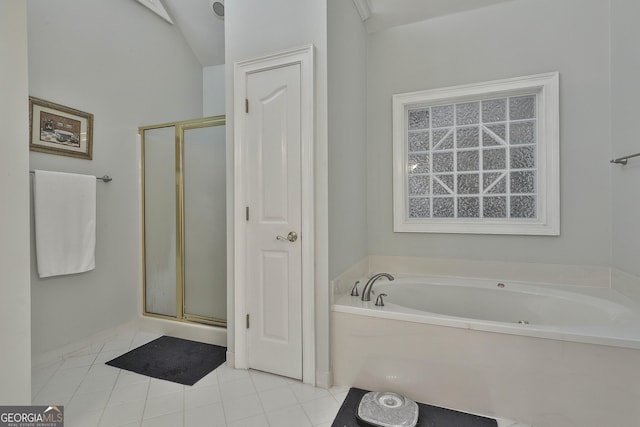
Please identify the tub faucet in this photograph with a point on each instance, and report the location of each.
(366, 291)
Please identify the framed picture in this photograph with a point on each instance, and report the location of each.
(56, 129)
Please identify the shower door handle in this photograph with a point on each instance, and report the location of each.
(291, 237)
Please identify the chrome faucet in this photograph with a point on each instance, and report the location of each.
(366, 291)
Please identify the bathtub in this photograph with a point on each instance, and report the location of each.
(548, 356)
(570, 313)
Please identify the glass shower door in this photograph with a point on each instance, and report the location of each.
(185, 220)
(159, 206)
(204, 223)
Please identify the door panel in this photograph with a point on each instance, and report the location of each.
(274, 292)
(274, 267)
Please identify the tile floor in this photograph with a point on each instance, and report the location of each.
(98, 395)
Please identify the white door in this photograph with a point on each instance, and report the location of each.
(274, 264)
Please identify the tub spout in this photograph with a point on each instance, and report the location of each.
(366, 291)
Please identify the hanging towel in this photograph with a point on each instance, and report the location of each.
(65, 219)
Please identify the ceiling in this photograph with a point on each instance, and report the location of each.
(204, 31)
(391, 13)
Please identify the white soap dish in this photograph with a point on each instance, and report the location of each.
(387, 409)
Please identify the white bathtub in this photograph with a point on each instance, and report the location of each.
(458, 344)
(571, 313)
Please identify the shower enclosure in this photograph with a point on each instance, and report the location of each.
(184, 220)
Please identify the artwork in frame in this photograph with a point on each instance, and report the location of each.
(56, 129)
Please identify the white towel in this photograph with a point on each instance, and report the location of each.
(65, 214)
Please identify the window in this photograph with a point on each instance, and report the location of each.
(478, 158)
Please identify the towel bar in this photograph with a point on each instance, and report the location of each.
(104, 178)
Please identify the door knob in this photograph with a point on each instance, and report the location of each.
(292, 237)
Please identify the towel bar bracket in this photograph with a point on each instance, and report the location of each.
(624, 160)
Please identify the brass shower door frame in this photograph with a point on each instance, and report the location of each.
(179, 127)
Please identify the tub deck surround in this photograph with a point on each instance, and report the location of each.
(567, 313)
(541, 382)
(551, 274)
(627, 284)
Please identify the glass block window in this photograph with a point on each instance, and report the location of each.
(478, 159)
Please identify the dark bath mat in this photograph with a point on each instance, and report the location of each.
(430, 416)
(172, 359)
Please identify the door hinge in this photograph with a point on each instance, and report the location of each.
(246, 105)
(247, 321)
(247, 213)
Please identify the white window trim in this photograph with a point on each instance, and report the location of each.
(547, 221)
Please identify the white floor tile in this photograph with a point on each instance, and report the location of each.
(85, 350)
(59, 386)
(74, 374)
(97, 383)
(160, 387)
(128, 393)
(201, 396)
(242, 407)
(258, 421)
(508, 423)
(277, 398)
(210, 379)
(305, 392)
(98, 369)
(164, 404)
(77, 361)
(232, 390)
(82, 419)
(127, 378)
(321, 410)
(42, 374)
(143, 338)
(119, 415)
(89, 401)
(293, 416)
(338, 390)
(264, 381)
(340, 397)
(168, 420)
(205, 416)
(122, 346)
(226, 374)
(105, 356)
(55, 398)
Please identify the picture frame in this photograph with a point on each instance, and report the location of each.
(61, 130)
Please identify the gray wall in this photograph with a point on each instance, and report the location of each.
(213, 100)
(510, 39)
(347, 94)
(625, 140)
(15, 304)
(129, 68)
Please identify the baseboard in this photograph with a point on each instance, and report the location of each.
(323, 379)
(84, 346)
(190, 331)
(231, 359)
